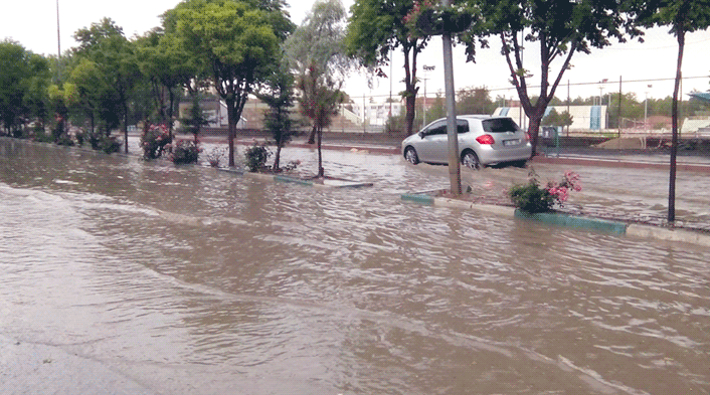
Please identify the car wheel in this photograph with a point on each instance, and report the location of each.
(410, 154)
(470, 160)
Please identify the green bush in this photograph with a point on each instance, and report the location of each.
(256, 157)
(109, 145)
(185, 152)
(531, 198)
(42, 137)
(101, 142)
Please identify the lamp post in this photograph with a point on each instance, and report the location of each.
(426, 68)
(645, 111)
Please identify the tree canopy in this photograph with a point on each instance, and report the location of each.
(376, 29)
(238, 41)
(560, 28)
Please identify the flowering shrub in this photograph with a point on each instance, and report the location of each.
(215, 156)
(185, 152)
(256, 157)
(154, 140)
(533, 198)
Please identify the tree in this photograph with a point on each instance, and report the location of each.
(91, 87)
(553, 118)
(682, 16)
(23, 82)
(560, 28)
(104, 44)
(166, 65)
(474, 101)
(61, 100)
(316, 51)
(278, 95)
(237, 40)
(195, 120)
(377, 28)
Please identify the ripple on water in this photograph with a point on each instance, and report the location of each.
(159, 270)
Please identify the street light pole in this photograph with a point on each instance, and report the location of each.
(426, 68)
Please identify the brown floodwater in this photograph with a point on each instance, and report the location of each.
(189, 280)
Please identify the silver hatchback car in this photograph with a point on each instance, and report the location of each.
(483, 140)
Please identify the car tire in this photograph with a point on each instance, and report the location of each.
(470, 160)
(410, 154)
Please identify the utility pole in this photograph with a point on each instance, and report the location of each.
(451, 128)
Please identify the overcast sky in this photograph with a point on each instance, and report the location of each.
(33, 23)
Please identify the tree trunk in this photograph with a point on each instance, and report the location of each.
(277, 156)
(321, 170)
(534, 131)
(312, 137)
(125, 129)
(410, 103)
(232, 128)
(674, 113)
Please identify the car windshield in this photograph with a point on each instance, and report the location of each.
(499, 125)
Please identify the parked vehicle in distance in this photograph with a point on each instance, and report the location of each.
(484, 140)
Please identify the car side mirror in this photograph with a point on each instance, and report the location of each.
(423, 134)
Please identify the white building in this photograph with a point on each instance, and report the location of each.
(583, 117)
(376, 114)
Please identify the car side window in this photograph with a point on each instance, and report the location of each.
(461, 126)
(437, 129)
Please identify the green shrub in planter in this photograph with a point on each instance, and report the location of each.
(256, 157)
(185, 152)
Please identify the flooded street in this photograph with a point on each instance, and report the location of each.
(188, 280)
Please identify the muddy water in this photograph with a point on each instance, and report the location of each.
(189, 280)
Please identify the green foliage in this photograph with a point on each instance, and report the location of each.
(101, 142)
(279, 97)
(316, 51)
(531, 198)
(474, 101)
(557, 119)
(236, 42)
(115, 57)
(376, 28)
(185, 152)
(256, 157)
(195, 120)
(24, 77)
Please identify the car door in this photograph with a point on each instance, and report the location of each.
(433, 138)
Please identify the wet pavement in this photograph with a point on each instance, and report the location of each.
(125, 276)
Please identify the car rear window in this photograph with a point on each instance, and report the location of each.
(499, 125)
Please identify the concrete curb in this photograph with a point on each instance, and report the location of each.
(668, 234)
(592, 224)
(600, 225)
(294, 180)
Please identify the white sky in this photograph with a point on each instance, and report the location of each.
(33, 23)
